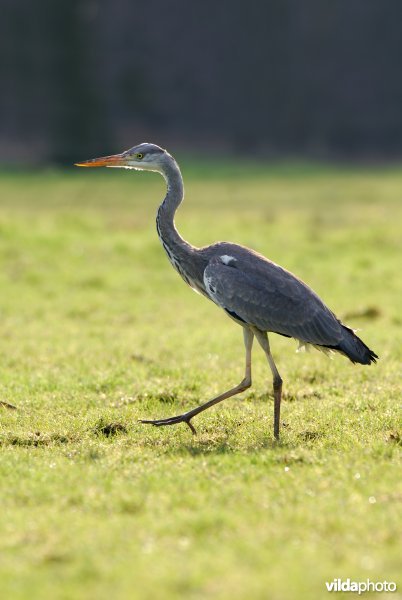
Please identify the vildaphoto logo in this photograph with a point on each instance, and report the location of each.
(346, 585)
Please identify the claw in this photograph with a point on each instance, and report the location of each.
(193, 429)
(170, 421)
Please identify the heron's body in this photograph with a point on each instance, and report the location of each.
(258, 294)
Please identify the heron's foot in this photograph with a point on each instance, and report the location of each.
(172, 421)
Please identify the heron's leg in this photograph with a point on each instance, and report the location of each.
(243, 385)
(277, 379)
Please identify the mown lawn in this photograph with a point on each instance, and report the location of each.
(97, 330)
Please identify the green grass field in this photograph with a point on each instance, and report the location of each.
(97, 330)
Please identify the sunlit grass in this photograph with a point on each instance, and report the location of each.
(97, 331)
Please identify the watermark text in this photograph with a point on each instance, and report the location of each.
(347, 585)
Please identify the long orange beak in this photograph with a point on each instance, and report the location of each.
(115, 160)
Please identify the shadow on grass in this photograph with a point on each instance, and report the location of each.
(226, 442)
(35, 439)
(223, 440)
(218, 447)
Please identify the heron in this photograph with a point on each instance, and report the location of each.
(259, 295)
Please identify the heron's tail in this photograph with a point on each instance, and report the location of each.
(353, 347)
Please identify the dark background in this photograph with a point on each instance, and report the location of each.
(315, 78)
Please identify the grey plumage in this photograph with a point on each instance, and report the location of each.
(258, 294)
(270, 298)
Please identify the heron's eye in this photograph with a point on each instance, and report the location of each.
(139, 155)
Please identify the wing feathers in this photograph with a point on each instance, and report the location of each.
(265, 295)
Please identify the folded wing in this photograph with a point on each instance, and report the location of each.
(258, 292)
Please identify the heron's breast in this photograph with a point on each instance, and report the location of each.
(180, 267)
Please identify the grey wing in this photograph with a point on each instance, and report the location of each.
(272, 299)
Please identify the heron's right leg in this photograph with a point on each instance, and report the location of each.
(262, 338)
(243, 385)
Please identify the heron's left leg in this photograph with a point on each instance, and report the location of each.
(262, 338)
(243, 385)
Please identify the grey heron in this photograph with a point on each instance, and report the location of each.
(255, 292)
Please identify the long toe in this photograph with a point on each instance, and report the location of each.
(169, 421)
(159, 422)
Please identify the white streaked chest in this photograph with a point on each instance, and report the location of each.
(175, 262)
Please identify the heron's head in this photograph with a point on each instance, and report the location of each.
(144, 157)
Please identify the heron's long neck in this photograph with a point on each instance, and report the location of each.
(184, 257)
(170, 237)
